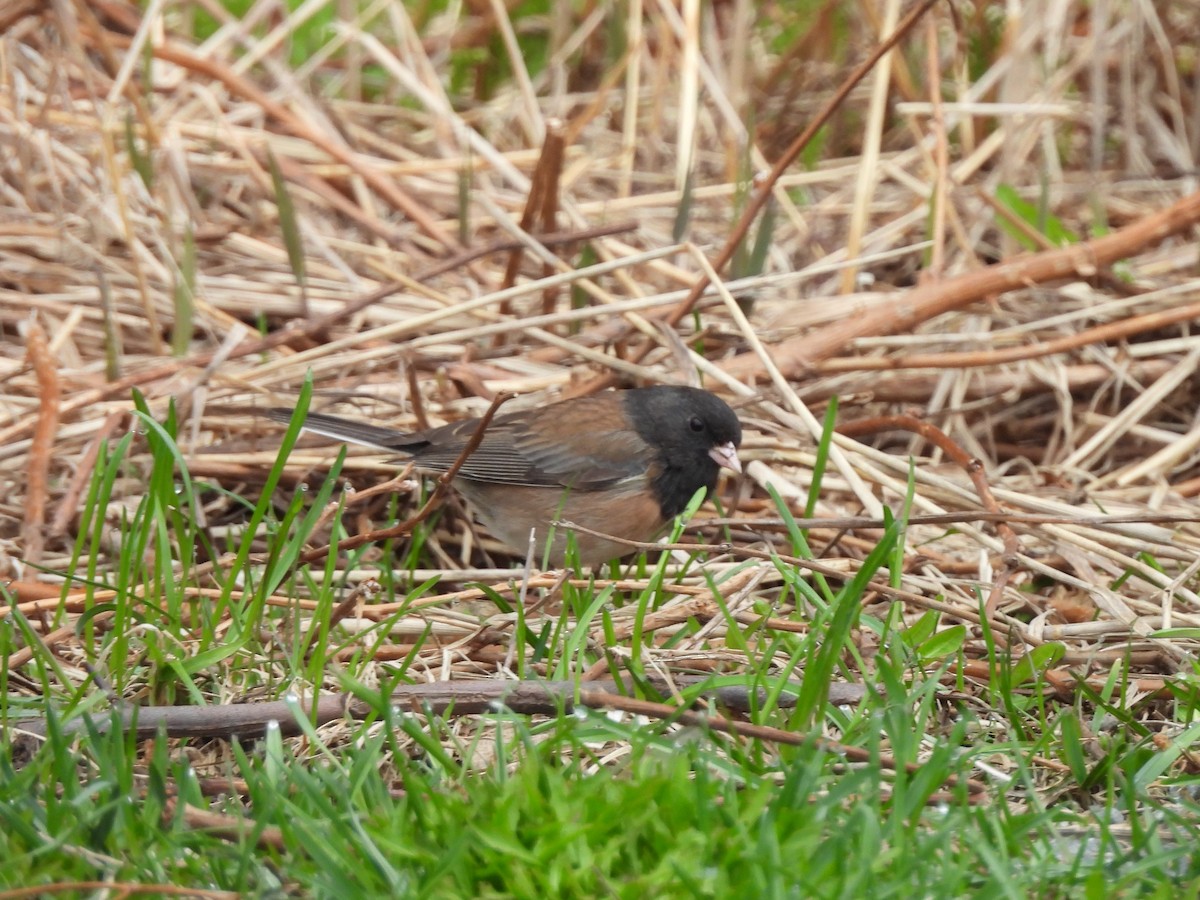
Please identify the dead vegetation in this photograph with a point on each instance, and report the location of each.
(543, 239)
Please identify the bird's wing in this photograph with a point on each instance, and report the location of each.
(586, 445)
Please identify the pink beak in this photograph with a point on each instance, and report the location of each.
(725, 455)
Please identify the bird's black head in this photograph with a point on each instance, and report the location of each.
(692, 433)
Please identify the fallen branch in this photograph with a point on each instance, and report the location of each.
(249, 721)
(798, 356)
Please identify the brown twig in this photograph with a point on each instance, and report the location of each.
(959, 518)
(797, 356)
(117, 889)
(603, 700)
(941, 153)
(248, 721)
(907, 386)
(501, 245)
(69, 505)
(542, 203)
(230, 828)
(339, 612)
(460, 698)
(972, 466)
(415, 399)
(45, 370)
(1101, 334)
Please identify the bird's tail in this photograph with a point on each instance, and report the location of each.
(347, 430)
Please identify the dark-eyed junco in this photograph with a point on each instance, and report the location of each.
(623, 462)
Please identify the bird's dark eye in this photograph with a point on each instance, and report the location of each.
(696, 423)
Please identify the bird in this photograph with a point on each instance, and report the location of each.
(624, 463)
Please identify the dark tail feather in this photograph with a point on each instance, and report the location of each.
(346, 430)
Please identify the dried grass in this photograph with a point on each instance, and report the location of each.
(1075, 430)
